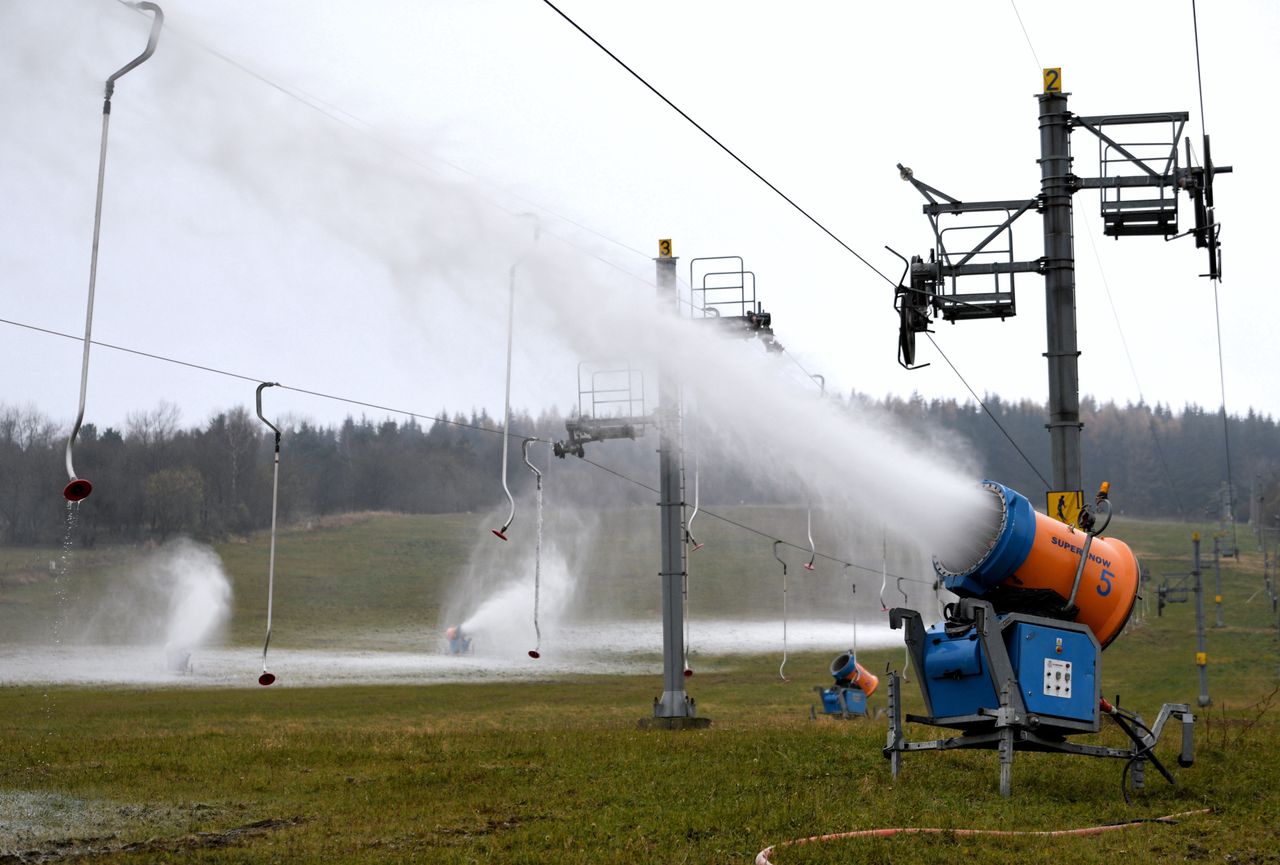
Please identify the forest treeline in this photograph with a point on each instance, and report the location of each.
(157, 477)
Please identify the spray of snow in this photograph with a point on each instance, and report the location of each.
(175, 598)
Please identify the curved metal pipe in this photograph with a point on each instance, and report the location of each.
(813, 550)
(78, 488)
(536, 651)
(267, 678)
(884, 572)
(688, 526)
(157, 22)
(506, 405)
(506, 399)
(782, 667)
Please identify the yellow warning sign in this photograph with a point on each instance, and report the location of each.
(1064, 505)
(1202, 658)
(1053, 80)
(664, 248)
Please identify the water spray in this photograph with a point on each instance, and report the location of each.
(78, 488)
(782, 667)
(536, 651)
(267, 678)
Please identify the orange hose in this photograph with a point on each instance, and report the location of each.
(762, 858)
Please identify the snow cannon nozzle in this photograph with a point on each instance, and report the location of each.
(266, 678)
(77, 490)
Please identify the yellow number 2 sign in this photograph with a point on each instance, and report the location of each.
(1053, 80)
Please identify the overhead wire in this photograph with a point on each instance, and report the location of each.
(717, 141)
(980, 402)
(1217, 316)
(256, 379)
(1034, 55)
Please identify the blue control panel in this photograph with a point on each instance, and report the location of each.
(1057, 670)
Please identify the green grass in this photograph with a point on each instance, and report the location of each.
(557, 771)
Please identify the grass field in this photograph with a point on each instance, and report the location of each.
(557, 771)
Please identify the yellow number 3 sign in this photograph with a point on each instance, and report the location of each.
(664, 247)
(1053, 80)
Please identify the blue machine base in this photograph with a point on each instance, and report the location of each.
(843, 701)
(1055, 664)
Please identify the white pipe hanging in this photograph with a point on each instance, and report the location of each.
(267, 678)
(783, 666)
(78, 488)
(506, 398)
(536, 651)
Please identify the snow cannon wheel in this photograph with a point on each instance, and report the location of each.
(499, 533)
(266, 678)
(77, 490)
(535, 654)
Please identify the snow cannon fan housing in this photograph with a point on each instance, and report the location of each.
(1022, 561)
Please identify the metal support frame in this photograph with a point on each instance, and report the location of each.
(674, 702)
(675, 709)
(740, 313)
(1155, 165)
(1009, 727)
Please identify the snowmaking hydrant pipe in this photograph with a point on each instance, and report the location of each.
(536, 651)
(783, 666)
(506, 405)
(506, 397)
(267, 678)
(78, 488)
(688, 526)
(813, 550)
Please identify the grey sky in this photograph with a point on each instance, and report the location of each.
(333, 243)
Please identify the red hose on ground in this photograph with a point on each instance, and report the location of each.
(762, 858)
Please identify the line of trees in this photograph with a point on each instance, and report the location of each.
(156, 477)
